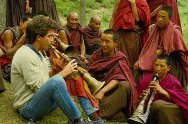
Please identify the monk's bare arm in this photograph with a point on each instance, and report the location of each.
(108, 87)
(82, 49)
(114, 12)
(7, 38)
(28, 9)
(134, 10)
(63, 36)
(10, 52)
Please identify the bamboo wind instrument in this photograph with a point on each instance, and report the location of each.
(92, 83)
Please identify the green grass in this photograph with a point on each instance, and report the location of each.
(183, 10)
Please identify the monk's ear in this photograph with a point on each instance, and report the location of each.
(169, 67)
(38, 37)
(115, 41)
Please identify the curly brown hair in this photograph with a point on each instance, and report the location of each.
(39, 26)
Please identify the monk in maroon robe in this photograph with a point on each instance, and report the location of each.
(91, 34)
(11, 39)
(154, 4)
(165, 37)
(117, 96)
(170, 104)
(131, 19)
(71, 34)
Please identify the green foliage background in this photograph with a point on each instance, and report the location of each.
(104, 9)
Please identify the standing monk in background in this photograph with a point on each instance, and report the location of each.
(155, 5)
(91, 34)
(130, 18)
(165, 37)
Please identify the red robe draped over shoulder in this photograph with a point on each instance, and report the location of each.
(91, 39)
(124, 18)
(176, 92)
(113, 68)
(172, 40)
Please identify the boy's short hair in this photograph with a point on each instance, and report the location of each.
(113, 33)
(165, 57)
(39, 25)
(168, 9)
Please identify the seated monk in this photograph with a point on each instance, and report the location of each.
(117, 96)
(71, 34)
(170, 105)
(91, 34)
(11, 39)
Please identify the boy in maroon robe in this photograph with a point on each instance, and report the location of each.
(117, 96)
(170, 104)
(165, 37)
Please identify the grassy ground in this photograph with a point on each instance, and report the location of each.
(9, 116)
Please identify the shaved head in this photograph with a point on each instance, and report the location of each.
(95, 18)
(73, 20)
(95, 22)
(72, 14)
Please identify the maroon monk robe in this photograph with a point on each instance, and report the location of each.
(153, 4)
(172, 40)
(91, 39)
(176, 92)
(113, 68)
(74, 37)
(124, 18)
